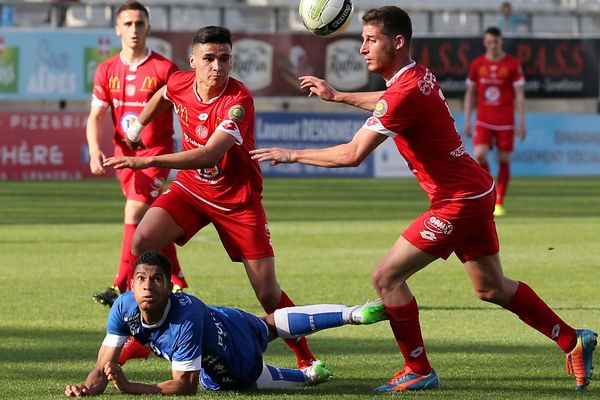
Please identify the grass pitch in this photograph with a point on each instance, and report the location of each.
(60, 241)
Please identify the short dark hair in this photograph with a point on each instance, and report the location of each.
(133, 5)
(392, 20)
(156, 259)
(212, 34)
(494, 31)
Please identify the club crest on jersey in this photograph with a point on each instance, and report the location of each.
(372, 121)
(439, 225)
(236, 113)
(202, 131)
(380, 108)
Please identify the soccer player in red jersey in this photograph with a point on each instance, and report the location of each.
(496, 80)
(124, 83)
(413, 112)
(218, 182)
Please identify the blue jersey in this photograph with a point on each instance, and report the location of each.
(225, 344)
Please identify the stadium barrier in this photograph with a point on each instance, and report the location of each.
(52, 146)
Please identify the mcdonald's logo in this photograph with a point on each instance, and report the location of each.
(182, 112)
(114, 84)
(149, 84)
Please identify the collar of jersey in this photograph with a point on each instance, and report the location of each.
(159, 323)
(133, 67)
(214, 98)
(397, 74)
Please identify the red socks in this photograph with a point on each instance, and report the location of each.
(534, 312)
(404, 321)
(122, 279)
(502, 182)
(298, 345)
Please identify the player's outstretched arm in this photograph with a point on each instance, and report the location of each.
(156, 106)
(349, 154)
(96, 380)
(183, 382)
(364, 100)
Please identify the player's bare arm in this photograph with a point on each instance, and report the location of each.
(349, 154)
(469, 102)
(202, 157)
(364, 100)
(93, 133)
(183, 383)
(96, 380)
(520, 107)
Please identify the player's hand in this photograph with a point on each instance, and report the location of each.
(134, 145)
(127, 162)
(468, 130)
(317, 86)
(76, 390)
(521, 132)
(114, 373)
(275, 155)
(96, 162)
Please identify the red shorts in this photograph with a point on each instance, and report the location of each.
(243, 231)
(505, 140)
(143, 185)
(465, 227)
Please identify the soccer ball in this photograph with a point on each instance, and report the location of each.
(326, 17)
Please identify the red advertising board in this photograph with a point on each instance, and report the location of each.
(46, 146)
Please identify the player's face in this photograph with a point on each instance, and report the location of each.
(492, 44)
(150, 288)
(132, 27)
(379, 51)
(212, 62)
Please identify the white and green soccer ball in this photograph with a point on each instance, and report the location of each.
(326, 17)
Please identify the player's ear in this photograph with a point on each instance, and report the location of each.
(399, 42)
(192, 61)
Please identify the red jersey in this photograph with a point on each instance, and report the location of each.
(126, 89)
(236, 179)
(414, 112)
(495, 83)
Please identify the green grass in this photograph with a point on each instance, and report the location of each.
(59, 242)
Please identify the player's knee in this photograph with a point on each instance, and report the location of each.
(382, 280)
(489, 295)
(267, 298)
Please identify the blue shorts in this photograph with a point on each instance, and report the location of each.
(246, 341)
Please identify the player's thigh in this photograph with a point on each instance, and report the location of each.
(156, 230)
(244, 232)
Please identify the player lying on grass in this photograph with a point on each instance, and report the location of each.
(218, 347)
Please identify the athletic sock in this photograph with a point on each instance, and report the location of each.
(532, 310)
(298, 345)
(121, 280)
(404, 321)
(301, 321)
(177, 277)
(502, 182)
(280, 378)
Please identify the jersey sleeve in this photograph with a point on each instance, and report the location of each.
(519, 78)
(100, 95)
(117, 329)
(188, 350)
(392, 114)
(238, 119)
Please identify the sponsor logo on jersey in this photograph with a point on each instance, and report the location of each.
(427, 83)
(182, 112)
(114, 84)
(372, 121)
(202, 131)
(439, 225)
(229, 126)
(459, 151)
(236, 113)
(126, 120)
(130, 78)
(380, 108)
(203, 117)
(149, 84)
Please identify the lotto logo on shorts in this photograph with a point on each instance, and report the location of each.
(439, 225)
